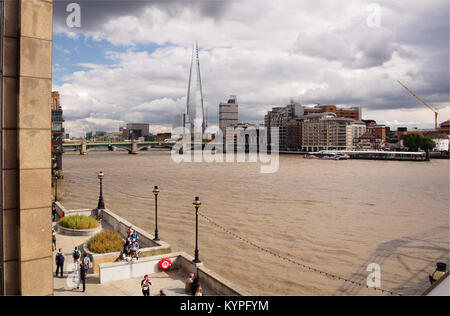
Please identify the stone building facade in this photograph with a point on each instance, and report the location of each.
(26, 62)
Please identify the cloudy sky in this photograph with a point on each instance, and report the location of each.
(129, 61)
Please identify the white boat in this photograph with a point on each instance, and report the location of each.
(327, 156)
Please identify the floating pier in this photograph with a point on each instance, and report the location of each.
(384, 155)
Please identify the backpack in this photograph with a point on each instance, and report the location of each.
(86, 263)
(76, 254)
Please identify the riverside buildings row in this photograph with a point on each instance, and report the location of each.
(328, 127)
(322, 127)
(132, 131)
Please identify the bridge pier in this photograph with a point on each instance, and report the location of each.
(83, 150)
(134, 147)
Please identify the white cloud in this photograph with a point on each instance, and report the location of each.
(266, 52)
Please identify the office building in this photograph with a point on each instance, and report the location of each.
(228, 114)
(178, 121)
(279, 117)
(294, 134)
(195, 115)
(326, 131)
(135, 131)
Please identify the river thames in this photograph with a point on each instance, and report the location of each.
(336, 216)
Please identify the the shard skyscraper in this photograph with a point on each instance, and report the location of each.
(195, 115)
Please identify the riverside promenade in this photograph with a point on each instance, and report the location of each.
(110, 276)
(172, 282)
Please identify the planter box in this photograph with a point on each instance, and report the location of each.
(78, 232)
(112, 221)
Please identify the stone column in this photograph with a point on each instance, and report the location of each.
(83, 149)
(26, 146)
(133, 147)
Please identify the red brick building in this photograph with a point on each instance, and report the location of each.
(353, 113)
(444, 127)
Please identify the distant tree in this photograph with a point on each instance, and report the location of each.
(413, 141)
(416, 141)
(427, 145)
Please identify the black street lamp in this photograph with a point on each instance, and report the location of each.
(55, 180)
(196, 204)
(155, 192)
(56, 186)
(101, 204)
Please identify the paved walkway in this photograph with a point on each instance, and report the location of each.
(172, 282)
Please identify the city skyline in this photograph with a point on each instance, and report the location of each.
(107, 79)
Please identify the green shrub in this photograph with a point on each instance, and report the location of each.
(105, 242)
(79, 222)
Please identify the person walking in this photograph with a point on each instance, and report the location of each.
(53, 212)
(86, 262)
(59, 259)
(130, 231)
(189, 281)
(145, 285)
(76, 254)
(199, 291)
(83, 271)
(194, 286)
(53, 239)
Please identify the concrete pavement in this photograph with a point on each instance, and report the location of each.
(172, 281)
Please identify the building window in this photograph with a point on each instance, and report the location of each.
(57, 138)
(57, 127)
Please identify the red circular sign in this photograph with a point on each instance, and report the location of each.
(165, 264)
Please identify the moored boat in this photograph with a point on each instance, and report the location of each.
(327, 156)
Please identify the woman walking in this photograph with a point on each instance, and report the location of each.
(145, 285)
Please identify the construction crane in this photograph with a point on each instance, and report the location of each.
(429, 106)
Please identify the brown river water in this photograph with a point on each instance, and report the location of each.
(335, 216)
